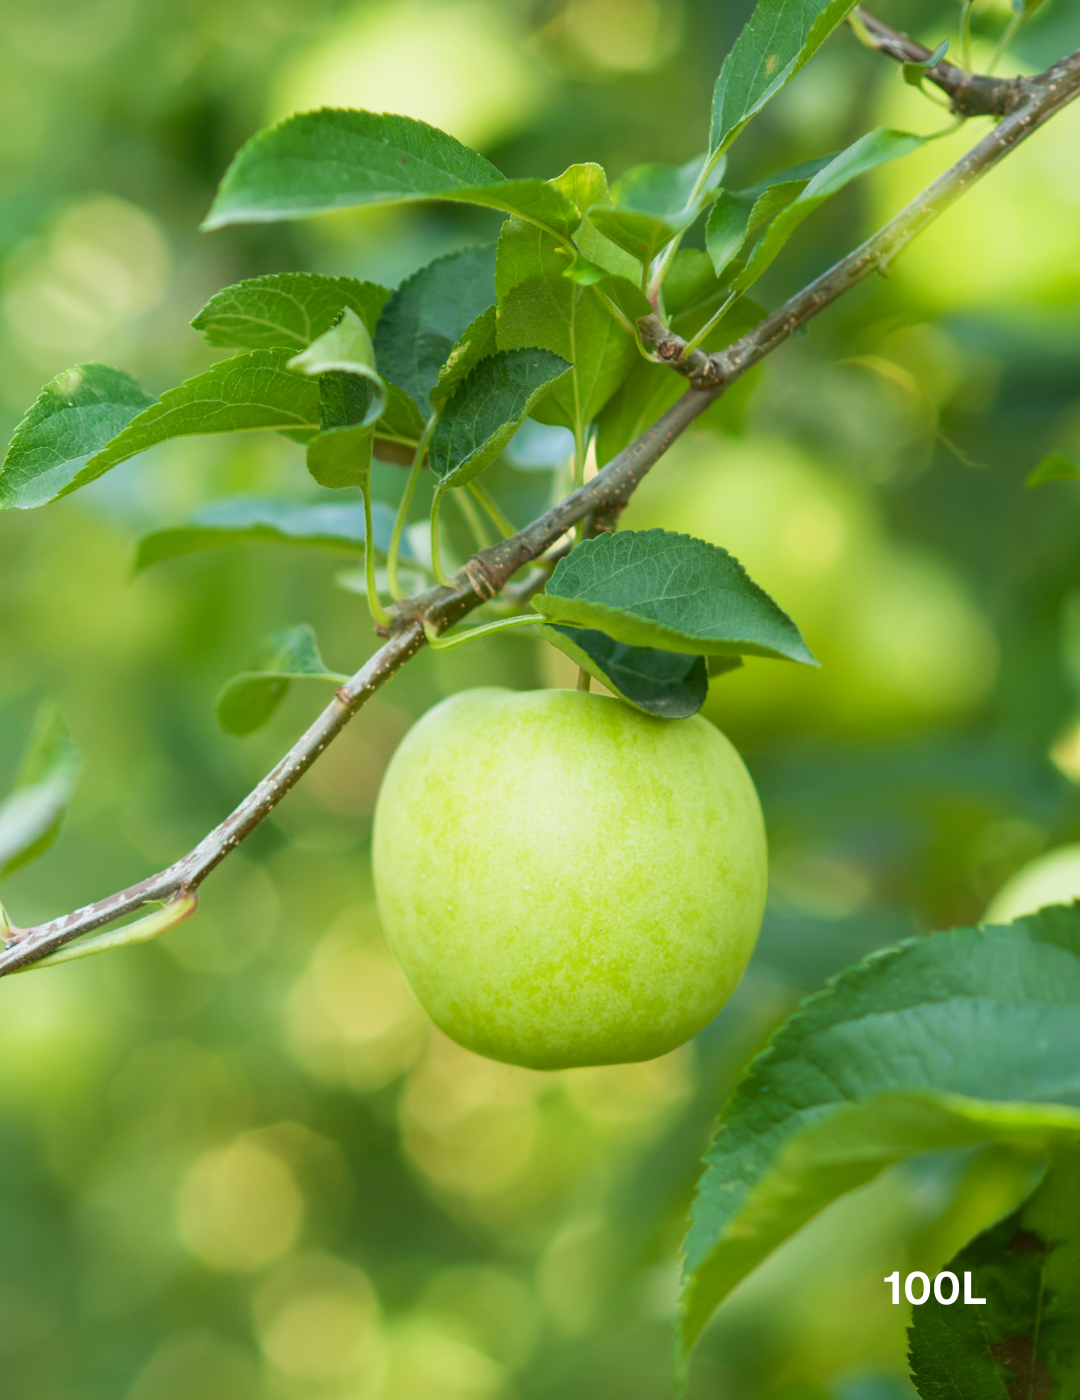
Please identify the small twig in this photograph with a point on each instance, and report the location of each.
(488, 573)
(970, 94)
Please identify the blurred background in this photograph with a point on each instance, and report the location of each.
(239, 1164)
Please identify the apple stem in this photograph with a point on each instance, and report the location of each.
(584, 679)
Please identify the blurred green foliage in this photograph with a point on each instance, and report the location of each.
(238, 1163)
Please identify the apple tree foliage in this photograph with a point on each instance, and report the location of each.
(965, 1037)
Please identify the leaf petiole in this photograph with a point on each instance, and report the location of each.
(491, 507)
(443, 643)
(713, 321)
(169, 916)
(378, 612)
(401, 519)
(436, 563)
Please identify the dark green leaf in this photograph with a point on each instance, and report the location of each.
(73, 418)
(487, 408)
(287, 309)
(31, 815)
(649, 390)
(538, 306)
(874, 149)
(254, 390)
(950, 1040)
(257, 520)
(652, 588)
(335, 158)
(665, 683)
(1024, 1339)
(779, 37)
(248, 700)
(1054, 467)
(401, 421)
(477, 342)
(427, 317)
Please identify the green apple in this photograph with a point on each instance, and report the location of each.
(566, 880)
(1052, 878)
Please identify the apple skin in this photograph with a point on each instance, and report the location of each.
(565, 880)
(1052, 878)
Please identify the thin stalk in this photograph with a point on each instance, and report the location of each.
(713, 321)
(491, 506)
(584, 679)
(1008, 35)
(965, 34)
(402, 517)
(436, 563)
(378, 612)
(142, 931)
(456, 639)
(579, 470)
(472, 518)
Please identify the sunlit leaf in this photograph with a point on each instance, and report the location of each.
(738, 213)
(652, 588)
(652, 204)
(539, 306)
(428, 316)
(487, 408)
(31, 814)
(261, 520)
(665, 683)
(779, 37)
(248, 700)
(336, 158)
(950, 1040)
(286, 309)
(1023, 1338)
(1056, 466)
(253, 390)
(872, 150)
(73, 418)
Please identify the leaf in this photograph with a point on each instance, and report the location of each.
(286, 309)
(779, 37)
(1023, 1341)
(1054, 467)
(665, 683)
(477, 342)
(652, 205)
(652, 588)
(737, 213)
(915, 70)
(583, 185)
(949, 1040)
(874, 149)
(352, 397)
(427, 316)
(73, 418)
(664, 190)
(247, 701)
(257, 520)
(538, 306)
(336, 158)
(650, 390)
(487, 408)
(31, 814)
(253, 390)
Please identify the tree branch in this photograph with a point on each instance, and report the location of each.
(487, 573)
(970, 94)
(1043, 98)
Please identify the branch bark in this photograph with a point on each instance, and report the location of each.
(970, 94)
(488, 572)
